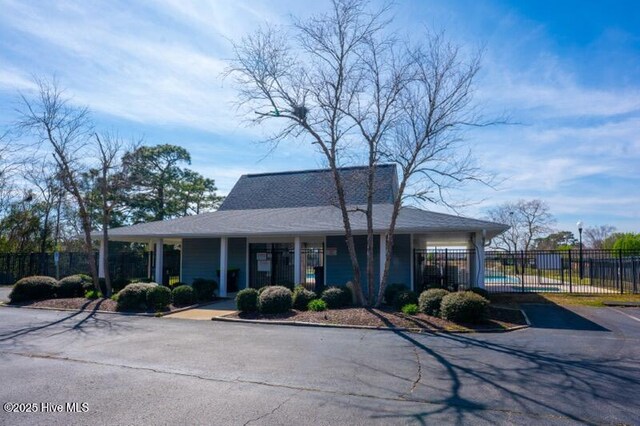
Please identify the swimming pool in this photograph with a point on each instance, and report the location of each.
(501, 279)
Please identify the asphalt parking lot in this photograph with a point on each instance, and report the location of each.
(581, 368)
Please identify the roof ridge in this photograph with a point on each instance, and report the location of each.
(293, 172)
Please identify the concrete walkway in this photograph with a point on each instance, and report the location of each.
(218, 308)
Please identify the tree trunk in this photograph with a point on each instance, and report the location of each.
(348, 233)
(370, 241)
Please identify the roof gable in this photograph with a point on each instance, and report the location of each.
(310, 188)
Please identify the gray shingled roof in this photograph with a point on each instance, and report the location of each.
(309, 188)
(317, 220)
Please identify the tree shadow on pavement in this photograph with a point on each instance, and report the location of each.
(473, 379)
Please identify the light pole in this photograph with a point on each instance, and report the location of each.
(580, 233)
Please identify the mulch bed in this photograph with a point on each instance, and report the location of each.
(385, 318)
(81, 304)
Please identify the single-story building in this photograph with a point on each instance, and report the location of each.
(286, 227)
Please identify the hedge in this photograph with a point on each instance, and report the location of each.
(392, 290)
(183, 295)
(33, 288)
(134, 297)
(302, 297)
(405, 297)
(430, 300)
(247, 300)
(73, 285)
(336, 297)
(275, 300)
(158, 298)
(465, 306)
(204, 288)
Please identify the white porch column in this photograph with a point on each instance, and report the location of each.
(159, 247)
(297, 261)
(478, 280)
(223, 266)
(150, 250)
(383, 254)
(101, 265)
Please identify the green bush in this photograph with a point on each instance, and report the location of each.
(391, 291)
(134, 297)
(317, 305)
(275, 300)
(92, 294)
(430, 300)
(159, 298)
(410, 309)
(177, 284)
(204, 288)
(247, 300)
(480, 292)
(183, 295)
(335, 297)
(73, 286)
(263, 288)
(33, 288)
(405, 297)
(464, 306)
(302, 297)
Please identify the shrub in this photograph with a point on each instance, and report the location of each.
(464, 306)
(263, 288)
(204, 288)
(405, 297)
(119, 284)
(73, 286)
(302, 297)
(247, 300)
(177, 284)
(134, 297)
(480, 292)
(159, 298)
(33, 288)
(392, 290)
(183, 295)
(335, 297)
(274, 300)
(144, 280)
(410, 309)
(430, 301)
(92, 294)
(317, 305)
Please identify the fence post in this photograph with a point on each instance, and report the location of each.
(522, 270)
(620, 276)
(634, 271)
(570, 273)
(446, 267)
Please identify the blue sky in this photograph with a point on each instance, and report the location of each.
(568, 72)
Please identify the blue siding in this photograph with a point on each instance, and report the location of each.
(338, 268)
(200, 258)
(238, 259)
(400, 271)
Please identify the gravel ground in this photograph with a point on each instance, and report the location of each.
(499, 318)
(81, 304)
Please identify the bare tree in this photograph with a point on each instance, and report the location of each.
(9, 165)
(109, 183)
(528, 220)
(595, 236)
(66, 129)
(347, 81)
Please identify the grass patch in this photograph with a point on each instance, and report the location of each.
(569, 299)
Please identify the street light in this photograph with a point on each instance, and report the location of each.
(580, 232)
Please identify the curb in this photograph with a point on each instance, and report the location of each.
(129, 314)
(622, 304)
(366, 327)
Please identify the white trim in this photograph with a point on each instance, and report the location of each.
(324, 262)
(411, 260)
(383, 256)
(224, 255)
(297, 264)
(159, 248)
(246, 271)
(181, 251)
(101, 263)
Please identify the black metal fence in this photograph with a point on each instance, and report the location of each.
(275, 266)
(563, 271)
(125, 265)
(446, 268)
(536, 271)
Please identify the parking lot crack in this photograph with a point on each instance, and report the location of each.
(269, 413)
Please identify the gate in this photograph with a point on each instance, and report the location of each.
(275, 266)
(444, 268)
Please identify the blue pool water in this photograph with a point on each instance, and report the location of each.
(501, 279)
